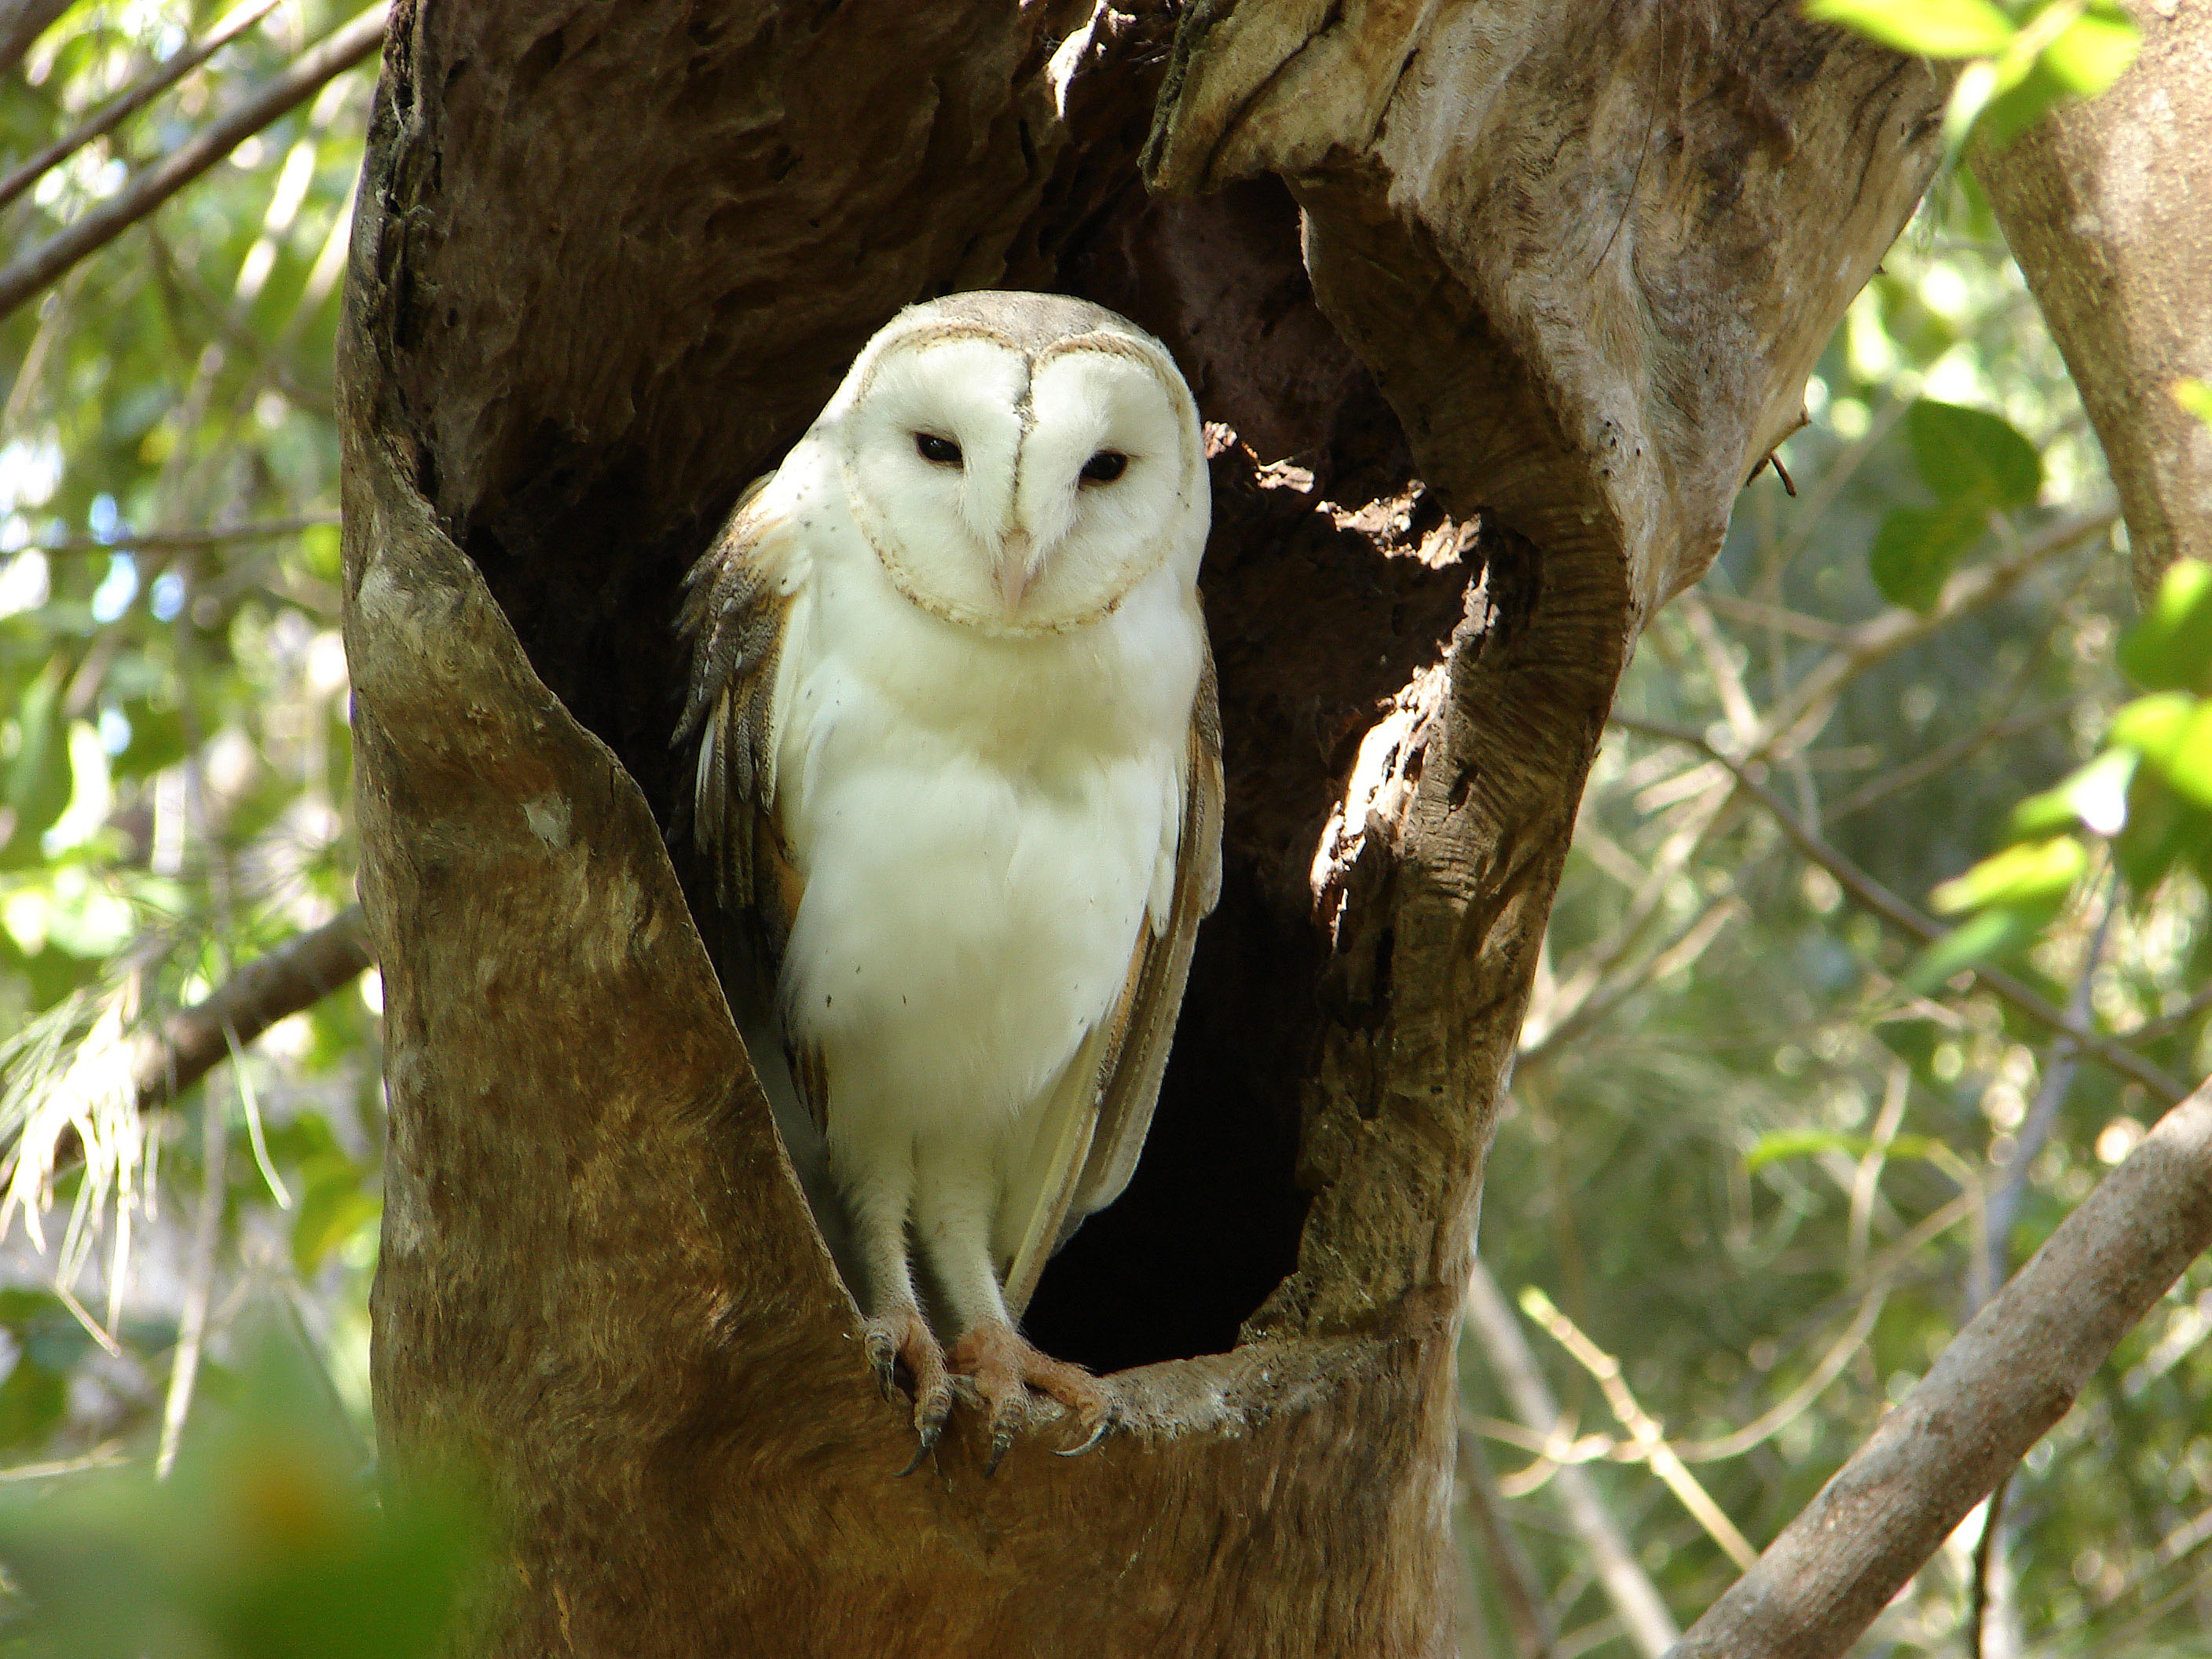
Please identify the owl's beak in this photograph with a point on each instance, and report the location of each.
(1015, 569)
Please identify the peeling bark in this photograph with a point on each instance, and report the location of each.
(2103, 206)
(609, 259)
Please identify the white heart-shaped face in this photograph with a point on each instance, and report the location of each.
(1016, 487)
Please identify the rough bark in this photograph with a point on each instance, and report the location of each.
(2103, 206)
(609, 259)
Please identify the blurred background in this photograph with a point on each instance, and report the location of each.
(1764, 1147)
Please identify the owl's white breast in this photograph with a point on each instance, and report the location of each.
(984, 824)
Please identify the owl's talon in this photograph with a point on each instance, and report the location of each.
(925, 1434)
(1110, 1421)
(902, 1337)
(1002, 1442)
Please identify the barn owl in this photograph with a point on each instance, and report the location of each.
(959, 777)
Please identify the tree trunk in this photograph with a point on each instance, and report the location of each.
(609, 260)
(2103, 206)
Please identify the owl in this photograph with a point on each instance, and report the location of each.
(959, 781)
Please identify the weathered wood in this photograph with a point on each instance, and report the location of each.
(610, 258)
(2103, 204)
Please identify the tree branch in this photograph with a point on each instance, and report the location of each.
(1874, 896)
(297, 974)
(2001, 1385)
(1634, 1598)
(177, 541)
(336, 54)
(180, 66)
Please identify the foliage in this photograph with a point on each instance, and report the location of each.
(2015, 70)
(264, 1544)
(1744, 1156)
(173, 747)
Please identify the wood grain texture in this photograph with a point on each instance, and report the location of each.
(2103, 204)
(608, 259)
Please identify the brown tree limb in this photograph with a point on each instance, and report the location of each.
(2007, 1378)
(180, 63)
(332, 56)
(2103, 206)
(1872, 895)
(296, 975)
(177, 541)
(22, 23)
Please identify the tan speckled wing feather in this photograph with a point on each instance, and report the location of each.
(734, 610)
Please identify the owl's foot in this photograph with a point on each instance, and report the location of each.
(1004, 1367)
(901, 1337)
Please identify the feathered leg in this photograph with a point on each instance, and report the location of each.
(896, 1332)
(952, 1207)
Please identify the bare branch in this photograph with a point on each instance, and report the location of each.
(332, 56)
(296, 975)
(1511, 1573)
(2007, 1378)
(1644, 1614)
(22, 23)
(177, 541)
(1872, 895)
(179, 66)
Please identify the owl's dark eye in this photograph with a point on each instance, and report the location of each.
(1105, 466)
(941, 452)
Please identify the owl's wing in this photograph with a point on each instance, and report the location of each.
(737, 602)
(1094, 1126)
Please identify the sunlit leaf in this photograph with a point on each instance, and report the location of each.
(2170, 647)
(1995, 932)
(2195, 397)
(2095, 797)
(2032, 873)
(1805, 1142)
(1931, 28)
(2095, 50)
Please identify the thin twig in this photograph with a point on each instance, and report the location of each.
(2009, 1376)
(1874, 896)
(1977, 1612)
(1627, 1586)
(173, 541)
(333, 55)
(180, 64)
(199, 1280)
(1644, 1431)
(2059, 1064)
(1514, 1579)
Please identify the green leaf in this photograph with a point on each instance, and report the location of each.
(1917, 549)
(2195, 397)
(334, 1208)
(2172, 730)
(2161, 829)
(1995, 932)
(2095, 797)
(2094, 52)
(1971, 455)
(31, 1401)
(2031, 874)
(1803, 1143)
(38, 778)
(2170, 647)
(1931, 29)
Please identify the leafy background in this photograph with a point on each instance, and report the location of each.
(1762, 1147)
